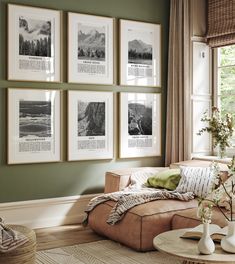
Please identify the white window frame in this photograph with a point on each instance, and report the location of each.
(231, 150)
(201, 97)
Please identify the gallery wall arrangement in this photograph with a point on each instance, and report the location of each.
(82, 91)
(33, 115)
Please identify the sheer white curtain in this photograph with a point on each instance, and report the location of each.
(178, 122)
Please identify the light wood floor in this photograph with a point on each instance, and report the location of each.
(62, 236)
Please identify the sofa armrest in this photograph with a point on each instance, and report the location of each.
(119, 179)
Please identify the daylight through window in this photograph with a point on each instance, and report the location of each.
(226, 81)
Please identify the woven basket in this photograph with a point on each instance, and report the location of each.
(24, 254)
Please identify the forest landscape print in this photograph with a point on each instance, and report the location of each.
(34, 119)
(91, 42)
(34, 37)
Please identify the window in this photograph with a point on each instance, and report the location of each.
(225, 81)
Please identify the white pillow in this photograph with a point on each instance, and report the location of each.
(198, 180)
(140, 177)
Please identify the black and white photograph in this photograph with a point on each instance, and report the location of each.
(34, 44)
(140, 53)
(140, 50)
(35, 118)
(139, 118)
(33, 125)
(34, 37)
(91, 42)
(140, 125)
(90, 125)
(91, 118)
(90, 49)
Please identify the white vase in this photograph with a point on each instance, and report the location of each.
(206, 245)
(222, 151)
(228, 242)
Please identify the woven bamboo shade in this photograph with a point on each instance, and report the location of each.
(221, 23)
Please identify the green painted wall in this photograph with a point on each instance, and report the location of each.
(36, 181)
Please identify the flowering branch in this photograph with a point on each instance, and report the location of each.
(222, 184)
(220, 128)
(225, 192)
(214, 203)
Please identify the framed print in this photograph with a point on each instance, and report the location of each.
(140, 53)
(90, 49)
(90, 125)
(140, 125)
(34, 44)
(33, 126)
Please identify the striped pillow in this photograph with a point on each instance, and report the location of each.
(198, 180)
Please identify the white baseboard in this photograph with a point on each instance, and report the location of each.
(46, 212)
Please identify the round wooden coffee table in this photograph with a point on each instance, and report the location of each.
(186, 249)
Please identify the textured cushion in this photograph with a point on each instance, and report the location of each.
(198, 180)
(167, 179)
(140, 224)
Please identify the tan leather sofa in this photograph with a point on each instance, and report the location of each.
(143, 222)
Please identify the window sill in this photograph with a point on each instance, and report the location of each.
(213, 158)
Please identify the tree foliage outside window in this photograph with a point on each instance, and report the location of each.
(226, 81)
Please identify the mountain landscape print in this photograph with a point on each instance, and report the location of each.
(91, 118)
(34, 119)
(34, 37)
(139, 118)
(139, 52)
(91, 42)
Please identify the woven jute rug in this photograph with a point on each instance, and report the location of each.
(101, 252)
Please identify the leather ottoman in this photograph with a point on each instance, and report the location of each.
(140, 224)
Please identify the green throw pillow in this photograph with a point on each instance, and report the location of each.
(167, 179)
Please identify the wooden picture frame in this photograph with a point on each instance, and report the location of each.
(140, 125)
(34, 122)
(90, 49)
(90, 125)
(34, 44)
(140, 53)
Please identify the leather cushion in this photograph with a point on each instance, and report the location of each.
(140, 224)
(189, 219)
